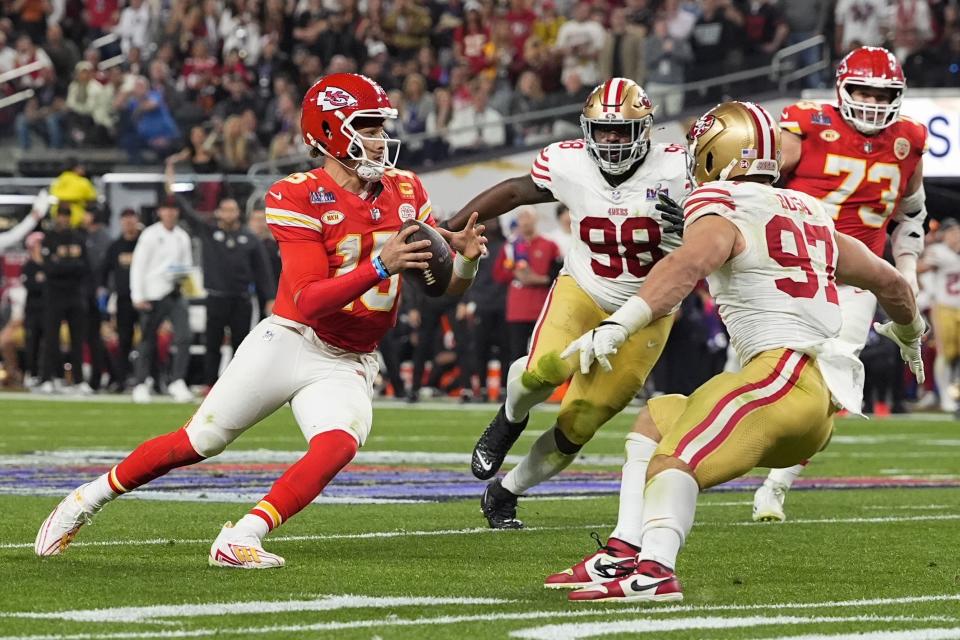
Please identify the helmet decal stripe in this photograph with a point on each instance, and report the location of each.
(620, 88)
(761, 150)
(768, 131)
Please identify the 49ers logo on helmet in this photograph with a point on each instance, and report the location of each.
(701, 126)
(334, 98)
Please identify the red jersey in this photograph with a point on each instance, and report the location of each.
(860, 179)
(311, 207)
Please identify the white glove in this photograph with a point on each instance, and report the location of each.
(907, 337)
(598, 344)
(41, 204)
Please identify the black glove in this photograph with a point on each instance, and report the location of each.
(671, 213)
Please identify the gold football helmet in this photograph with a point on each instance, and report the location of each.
(618, 105)
(732, 140)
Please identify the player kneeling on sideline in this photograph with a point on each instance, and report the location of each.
(771, 255)
(337, 228)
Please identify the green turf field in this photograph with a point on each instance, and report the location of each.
(398, 549)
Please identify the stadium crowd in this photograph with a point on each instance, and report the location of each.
(216, 85)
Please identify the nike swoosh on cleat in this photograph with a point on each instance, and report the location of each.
(608, 569)
(636, 586)
(278, 196)
(486, 466)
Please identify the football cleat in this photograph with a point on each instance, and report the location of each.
(650, 582)
(499, 507)
(611, 561)
(61, 526)
(494, 443)
(238, 550)
(768, 503)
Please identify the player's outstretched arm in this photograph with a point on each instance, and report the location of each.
(789, 153)
(708, 243)
(500, 198)
(859, 267)
(469, 245)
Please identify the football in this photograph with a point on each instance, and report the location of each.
(435, 279)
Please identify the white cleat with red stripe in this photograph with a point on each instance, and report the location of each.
(61, 526)
(237, 550)
(651, 582)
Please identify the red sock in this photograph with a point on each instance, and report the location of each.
(329, 452)
(153, 459)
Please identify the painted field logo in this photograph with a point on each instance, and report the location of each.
(332, 217)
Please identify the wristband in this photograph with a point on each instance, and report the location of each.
(634, 315)
(464, 267)
(913, 331)
(380, 268)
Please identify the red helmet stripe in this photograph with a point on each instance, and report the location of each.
(760, 134)
(769, 131)
(621, 86)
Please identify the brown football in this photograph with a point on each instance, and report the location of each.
(435, 279)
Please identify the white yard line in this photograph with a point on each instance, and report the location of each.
(643, 626)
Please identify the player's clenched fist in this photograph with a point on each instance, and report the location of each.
(398, 255)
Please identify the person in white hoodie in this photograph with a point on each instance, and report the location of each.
(161, 260)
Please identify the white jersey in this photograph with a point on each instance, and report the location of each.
(780, 292)
(946, 278)
(616, 234)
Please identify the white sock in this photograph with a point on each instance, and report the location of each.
(544, 461)
(98, 493)
(639, 449)
(252, 524)
(943, 376)
(521, 399)
(785, 477)
(670, 504)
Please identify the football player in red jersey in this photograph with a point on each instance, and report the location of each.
(863, 160)
(338, 228)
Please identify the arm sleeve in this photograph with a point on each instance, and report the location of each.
(540, 171)
(708, 200)
(138, 266)
(316, 294)
(18, 233)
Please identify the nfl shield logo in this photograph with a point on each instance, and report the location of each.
(375, 214)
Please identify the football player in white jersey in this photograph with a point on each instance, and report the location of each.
(771, 257)
(610, 179)
(943, 259)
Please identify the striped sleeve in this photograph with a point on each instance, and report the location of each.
(791, 119)
(424, 206)
(540, 170)
(285, 216)
(708, 201)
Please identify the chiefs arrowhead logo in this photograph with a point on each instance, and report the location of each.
(335, 98)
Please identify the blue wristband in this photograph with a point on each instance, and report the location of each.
(380, 268)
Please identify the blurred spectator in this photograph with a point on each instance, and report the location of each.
(200, 152)
(240, 33)
(430, 69)
(33, 278)
(234, 264)
(241, 148)
(89, 117)
(100, 17)
(529, 98)
(438, 121)
(406, 27)
(548, 24)
(859, 23)
(667, 58)
(133, 29)
(272, 65)
(911, 26)
(574, 93)
(239, 98)
(42, 114)
(520, 20)
(30, 16)
(538, 57)
(8, 55)
(11, 375)
(146, 122)
(477, 126)
(471, 39)
(28, 54)
(63, 54)
(115, 277)
(488, 298)
(73, 188)
(765, 30)
(807, 20)
(67, 270)
(714, 43)
(161, 261)
(418, 105)
(680, 19)
(427, 319)
(97, 243)
(579, 41)
(623, 51)
(527, 262)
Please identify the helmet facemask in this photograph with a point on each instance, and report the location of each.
(867, 117)
(367, 168)
(617, 158)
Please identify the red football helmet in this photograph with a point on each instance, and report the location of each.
(870, 67)
(329, 110)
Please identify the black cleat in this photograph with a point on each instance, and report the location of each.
(494, 443)
(499, 507)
